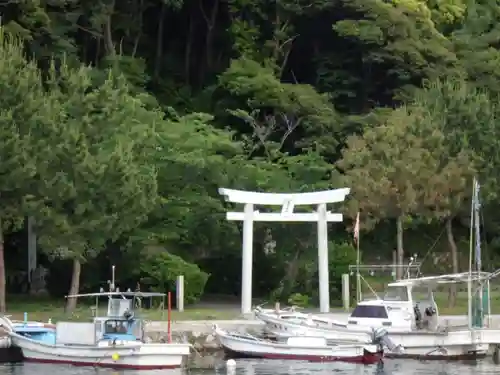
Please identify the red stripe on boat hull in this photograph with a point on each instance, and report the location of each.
(439, 357)
(98, 364)
(367, 357)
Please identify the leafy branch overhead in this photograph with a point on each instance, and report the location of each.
(281, 116)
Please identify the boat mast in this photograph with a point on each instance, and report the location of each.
(359, 295)
(478, 264)
(475, 302)
(477, 207)
(471, 236)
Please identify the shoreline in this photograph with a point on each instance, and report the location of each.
(199, 333)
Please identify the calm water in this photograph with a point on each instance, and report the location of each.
(252, 367)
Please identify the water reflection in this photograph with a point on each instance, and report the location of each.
(263, 367)
(389, 367)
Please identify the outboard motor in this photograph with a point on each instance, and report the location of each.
(431, 318)
(418, 316)
(430, 311)
(381, 337)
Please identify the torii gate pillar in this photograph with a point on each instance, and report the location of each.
(287, 203)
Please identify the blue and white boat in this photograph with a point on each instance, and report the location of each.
(116, 340)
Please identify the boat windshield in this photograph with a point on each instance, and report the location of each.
(369, 311)
(115, 326)
(396, 293)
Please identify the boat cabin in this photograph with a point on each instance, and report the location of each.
(407, 304)
(120, 323)
(402, 306)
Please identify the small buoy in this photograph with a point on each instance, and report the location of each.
(50, 321)
(115, 357)
(231, 363)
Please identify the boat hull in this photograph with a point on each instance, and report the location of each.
(136, 356)
(366, 358)
(446, 356)
(452, 345)
(253, 348)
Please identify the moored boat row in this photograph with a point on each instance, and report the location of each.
(412, 323)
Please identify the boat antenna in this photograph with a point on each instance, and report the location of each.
(112, 284)
(413, 264)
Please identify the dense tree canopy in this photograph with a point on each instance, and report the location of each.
(121, 119)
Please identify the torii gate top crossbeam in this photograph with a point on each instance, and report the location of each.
(279, 199)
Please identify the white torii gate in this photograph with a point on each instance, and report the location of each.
(287, 202)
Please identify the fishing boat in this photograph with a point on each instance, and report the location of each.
(115, 340)
(411, 322)
(410, 314)
(313, 349)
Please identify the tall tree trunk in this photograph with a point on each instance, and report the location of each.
(2, 271)
(159, 42)
(210, 34)
(399, 248)
(139, 34)
(108, 32)
(187, 53)
(452, 293)
(292, 270)
(75, 285)
(210, 21)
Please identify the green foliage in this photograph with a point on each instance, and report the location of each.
(299, 300)
(469, 118)
(161, 270)
(341, 256)
(28, 117)
(25, 110)
(112, 184)
(121, 119)
(407, 165)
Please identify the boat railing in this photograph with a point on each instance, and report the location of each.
(286, 309)
(235, 334)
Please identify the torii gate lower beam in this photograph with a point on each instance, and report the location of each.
(287, 201)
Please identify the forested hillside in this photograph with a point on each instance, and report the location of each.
(121, 119)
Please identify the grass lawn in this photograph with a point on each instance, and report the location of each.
(42, 310)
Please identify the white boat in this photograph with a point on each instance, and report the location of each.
(115, 341)
(314, 349)
(411, 322)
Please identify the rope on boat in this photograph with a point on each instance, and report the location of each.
(6, 324)
(437, 349)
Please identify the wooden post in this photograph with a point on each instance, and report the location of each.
(180, 293)
(169, 316)
(345, 291)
